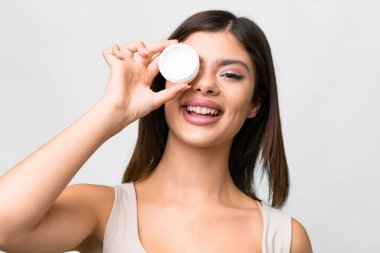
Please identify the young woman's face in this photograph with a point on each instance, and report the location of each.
(219, 101)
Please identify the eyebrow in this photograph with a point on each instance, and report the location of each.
(226, 62)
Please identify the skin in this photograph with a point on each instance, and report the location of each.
(44, 215)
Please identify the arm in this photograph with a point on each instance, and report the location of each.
(28, 190)
(75, 221)
(34, 183)
(30, 212)
(300, 240)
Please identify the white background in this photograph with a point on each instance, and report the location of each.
(326, 54)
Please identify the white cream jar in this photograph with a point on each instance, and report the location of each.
(179, 63)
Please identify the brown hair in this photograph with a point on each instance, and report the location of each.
(260, 138)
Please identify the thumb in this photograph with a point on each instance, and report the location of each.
(167, 94)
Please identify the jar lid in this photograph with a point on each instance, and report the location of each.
(179, 63)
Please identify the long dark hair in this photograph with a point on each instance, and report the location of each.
(259, 141)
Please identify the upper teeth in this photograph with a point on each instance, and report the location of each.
(202, 110)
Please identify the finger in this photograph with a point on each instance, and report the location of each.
(152, 69)
(117, 52)
(129, 49)
(163, 96)
(153, 49)
(159, 46)
(111, 53)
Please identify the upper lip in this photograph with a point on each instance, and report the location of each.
(203, 103)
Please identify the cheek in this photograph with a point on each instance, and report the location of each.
(169, 111)
(173, 104)
(239, 101)
(173, 112)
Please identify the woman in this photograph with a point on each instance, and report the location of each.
(189, 179)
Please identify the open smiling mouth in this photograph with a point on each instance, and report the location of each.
(200, 115)
(202, 111)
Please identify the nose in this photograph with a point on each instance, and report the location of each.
(206, 85)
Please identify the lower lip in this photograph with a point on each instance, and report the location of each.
(198, 120)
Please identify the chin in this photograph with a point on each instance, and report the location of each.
(199, 140)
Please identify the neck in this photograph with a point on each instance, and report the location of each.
(188, 174)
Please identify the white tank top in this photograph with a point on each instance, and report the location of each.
(121, 234)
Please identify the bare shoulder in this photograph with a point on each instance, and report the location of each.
(300, 239)
(97, 198)
(81, 211)
(89, 193)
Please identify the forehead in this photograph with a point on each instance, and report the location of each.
(217, 45)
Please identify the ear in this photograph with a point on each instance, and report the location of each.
(253, 110)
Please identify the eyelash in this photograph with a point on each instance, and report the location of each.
(233, 76)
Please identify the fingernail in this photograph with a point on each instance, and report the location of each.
(186, 87)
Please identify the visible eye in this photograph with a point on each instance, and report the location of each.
(232, 76)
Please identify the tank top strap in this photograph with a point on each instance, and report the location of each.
(277, 230)
(121, 233)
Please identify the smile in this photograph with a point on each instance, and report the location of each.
(200, 110)
(205, 116)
